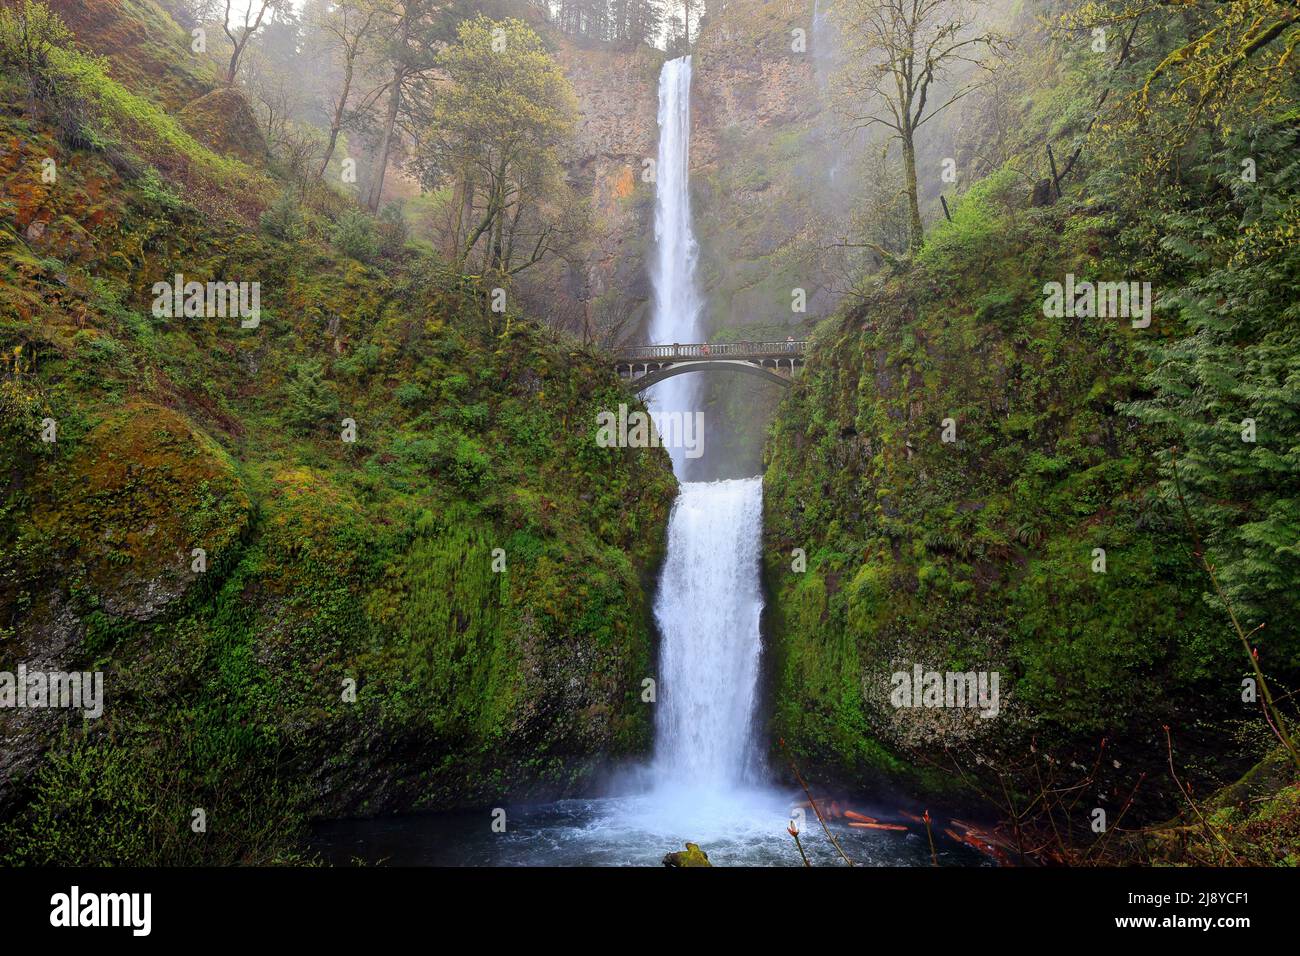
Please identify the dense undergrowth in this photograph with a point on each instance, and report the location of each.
(290, 624)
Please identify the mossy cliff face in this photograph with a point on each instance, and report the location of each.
(758, 163)
(146, 47)
(450, 609)
(979, 553)
(759, 159)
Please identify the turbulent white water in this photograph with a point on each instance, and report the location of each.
(676, 316)
(707, 608)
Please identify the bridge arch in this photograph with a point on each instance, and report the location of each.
(645, 365)
(642, 382)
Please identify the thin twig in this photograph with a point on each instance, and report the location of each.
(1169, 745)
(795, 833)
(1270, 707)
(1123, 810)
(816, 809)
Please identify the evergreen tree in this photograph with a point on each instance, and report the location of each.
(1228, 389)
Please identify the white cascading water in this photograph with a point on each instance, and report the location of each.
(706, 782)
(676, 315)
(709, 599)
(707, 608)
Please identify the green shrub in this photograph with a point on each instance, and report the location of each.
(354, 235)
(29, 35)
(392, 230)
(363, 360)
(35, 46)
(459, 458)
(98, 802)
(409, 394)
(312, 400)
(283, 218)
(21, 411)
(473, 416)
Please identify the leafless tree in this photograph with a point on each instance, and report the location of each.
(351, 24)
(240, 35)
(899, 48)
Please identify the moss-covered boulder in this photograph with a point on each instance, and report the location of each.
(223, 121)
(138, 509)
(691, 856)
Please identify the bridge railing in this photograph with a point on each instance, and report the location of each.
(704, 350)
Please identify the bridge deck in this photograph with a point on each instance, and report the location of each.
(739, 351)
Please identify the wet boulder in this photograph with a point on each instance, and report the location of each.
(691, 856)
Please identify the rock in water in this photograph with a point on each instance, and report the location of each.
(691, 856)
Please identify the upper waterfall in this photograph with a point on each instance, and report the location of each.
(676, 315)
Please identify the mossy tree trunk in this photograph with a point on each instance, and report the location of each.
(915, 230)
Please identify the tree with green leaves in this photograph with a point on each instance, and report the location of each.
(312, 401)
(411, 37)
(493, 126)
(1221, 215)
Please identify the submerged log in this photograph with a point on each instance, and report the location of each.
(879, 826)
(989, 844)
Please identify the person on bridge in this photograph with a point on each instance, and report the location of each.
(704, 349)
(789, 343)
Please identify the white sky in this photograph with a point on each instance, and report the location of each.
(239, 7)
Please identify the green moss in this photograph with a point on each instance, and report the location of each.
(981, 549)
(330, 564)
(1252, 822)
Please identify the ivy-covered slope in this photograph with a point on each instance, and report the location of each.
(983, 553)
(326, 564)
